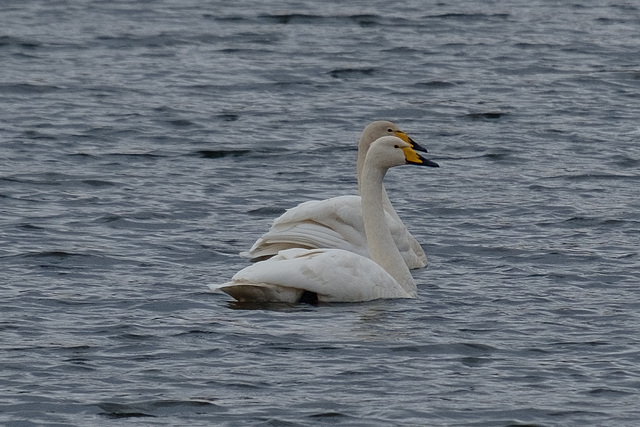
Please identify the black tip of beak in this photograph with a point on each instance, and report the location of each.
(421, 161)
(417, 146)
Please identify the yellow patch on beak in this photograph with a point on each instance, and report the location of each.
(411, 155)
(403, 136)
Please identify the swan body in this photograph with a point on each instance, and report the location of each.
(338, 275)
(337, 222)
(333, 223)
(332, 275)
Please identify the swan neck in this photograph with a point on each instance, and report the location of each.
(385, 198)
(382, 247)
(360, 165)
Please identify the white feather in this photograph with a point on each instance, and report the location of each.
(334, 275)
(338, 275)
(337, 222)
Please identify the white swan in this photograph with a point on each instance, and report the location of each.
(336, 275)
(337, 222)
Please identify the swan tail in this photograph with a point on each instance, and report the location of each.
(263, 292)
(415, 256)
(262, 250)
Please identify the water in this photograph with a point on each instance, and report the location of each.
(145, 144)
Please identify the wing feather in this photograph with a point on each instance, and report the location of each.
(334, 275)
(331, 223)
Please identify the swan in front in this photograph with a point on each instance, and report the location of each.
(337, 222)
(337, 275)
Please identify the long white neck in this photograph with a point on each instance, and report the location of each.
(362, 154)
(382, 248)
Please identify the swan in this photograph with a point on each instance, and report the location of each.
(337, 222)
(336, 275)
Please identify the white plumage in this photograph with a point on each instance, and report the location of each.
(333, 275)
(332, 223)
(338, 275)
(337, 222)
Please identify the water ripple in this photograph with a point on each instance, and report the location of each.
(138, 161)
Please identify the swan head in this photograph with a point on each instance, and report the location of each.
(381, 128)
(390, 151)
(374, 131)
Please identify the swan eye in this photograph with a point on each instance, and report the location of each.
(396, 146)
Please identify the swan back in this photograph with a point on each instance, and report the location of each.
(332, 275)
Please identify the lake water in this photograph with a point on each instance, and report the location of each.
(144, 144)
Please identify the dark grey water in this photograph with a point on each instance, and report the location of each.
(144, 144)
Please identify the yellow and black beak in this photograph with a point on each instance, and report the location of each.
(406, 138)
(414, 158)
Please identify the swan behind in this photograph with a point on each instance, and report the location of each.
(337, 222)
(337, 275)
